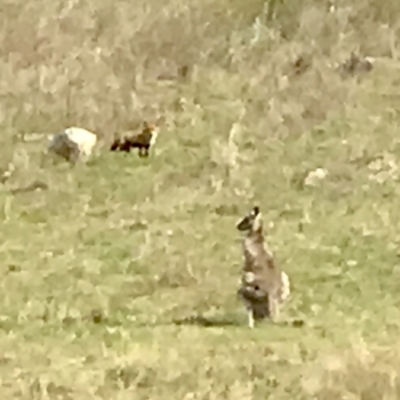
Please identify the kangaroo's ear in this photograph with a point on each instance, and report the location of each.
(256, 210)
(257, 224)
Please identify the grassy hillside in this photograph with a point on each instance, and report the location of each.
(119, 280)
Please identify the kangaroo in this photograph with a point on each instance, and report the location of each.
(263, 285)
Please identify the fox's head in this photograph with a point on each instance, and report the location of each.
(252, 222)
(152, 130)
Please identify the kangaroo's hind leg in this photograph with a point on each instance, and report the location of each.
(250, 316)
(273, 305)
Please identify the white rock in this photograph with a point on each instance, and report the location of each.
(73, 144)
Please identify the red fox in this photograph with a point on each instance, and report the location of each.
(142, 141)
(263, 285)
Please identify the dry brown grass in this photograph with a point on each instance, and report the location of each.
(104, 66)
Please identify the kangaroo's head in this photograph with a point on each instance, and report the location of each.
(252, 222)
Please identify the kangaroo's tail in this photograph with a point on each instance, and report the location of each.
(285, 287)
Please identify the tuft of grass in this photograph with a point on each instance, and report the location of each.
(119, 276)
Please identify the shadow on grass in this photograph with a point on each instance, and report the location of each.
(207, 322)
(210, 322)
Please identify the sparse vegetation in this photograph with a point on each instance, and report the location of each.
(119, 281)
